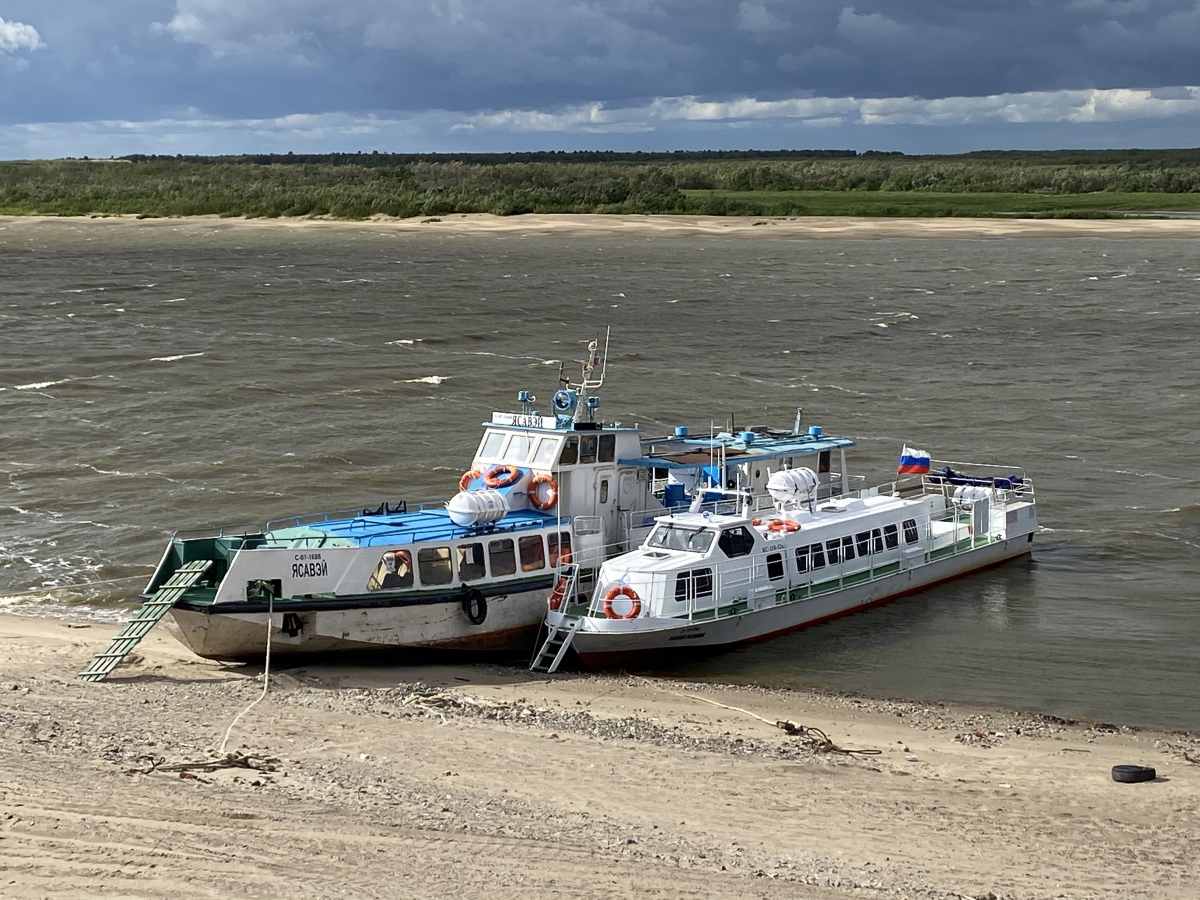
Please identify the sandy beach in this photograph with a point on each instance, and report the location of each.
(486, 781)
(808, 227)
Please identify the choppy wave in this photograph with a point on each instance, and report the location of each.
(175, 357)
(39, 385)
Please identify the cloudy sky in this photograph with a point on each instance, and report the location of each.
(921, 76)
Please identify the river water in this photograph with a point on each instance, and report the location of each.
(162, 377)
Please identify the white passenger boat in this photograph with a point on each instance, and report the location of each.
(710, 578)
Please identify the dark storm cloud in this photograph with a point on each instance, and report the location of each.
(474, 66)
(466, 54)
(272, 57)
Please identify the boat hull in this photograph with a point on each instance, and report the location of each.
(511, 624)
(601, 642)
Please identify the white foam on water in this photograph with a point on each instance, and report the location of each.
(176, 300)
(405, 341)
(173, 358)
(38, 385)
(428, 379)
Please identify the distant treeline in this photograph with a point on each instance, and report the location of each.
(375, 158)
(712, 182)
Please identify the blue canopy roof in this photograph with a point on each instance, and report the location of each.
(688, 453)
(424, 526)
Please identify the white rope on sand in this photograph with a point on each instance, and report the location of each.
(816, 735)
(266, 676)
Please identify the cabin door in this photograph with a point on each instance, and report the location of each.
(606, 493)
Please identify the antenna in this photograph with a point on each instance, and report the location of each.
(589, 383)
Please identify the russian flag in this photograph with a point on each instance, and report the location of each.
(913, 462)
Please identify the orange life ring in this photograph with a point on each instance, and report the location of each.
(559, 593)
(756, 521)
(622, 590)
(501, 475)
(785, 525)
(551, 494)
(467, 478)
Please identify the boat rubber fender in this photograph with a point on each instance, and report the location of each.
(474, 604)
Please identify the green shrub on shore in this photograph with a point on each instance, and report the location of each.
(1084, 183)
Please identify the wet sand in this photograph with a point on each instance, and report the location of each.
(843, 227)
(483, 780)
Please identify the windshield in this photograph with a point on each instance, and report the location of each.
(680, 537)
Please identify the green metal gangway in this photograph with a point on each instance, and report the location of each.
(555, 647)
(146, 618)
(558, 637)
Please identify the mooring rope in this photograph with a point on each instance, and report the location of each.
(266, 674)
(819, 737)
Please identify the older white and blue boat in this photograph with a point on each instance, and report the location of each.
(723, 576)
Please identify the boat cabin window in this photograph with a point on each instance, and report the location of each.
(891, 536)
(587, 448)
(603, 491)
(608, 447)
(680, 537)
(544, 458)
(910, 531)
(847, 548)
(774, 566)
(833, 551)
(394, 571)
(823, 461)
(554, 541)
(533, 553)
(434, 565)
(503, 557)
(518, 448)
(863, 541)
(736, 542)
(490, 448)
(470, 562)
(570, 452)
(810, 558)
(697, 583)
(877, 540)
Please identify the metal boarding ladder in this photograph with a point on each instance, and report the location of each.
(147, 617)
(558, 639)
(555, 646)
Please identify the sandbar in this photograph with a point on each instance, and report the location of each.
(664, 226)
(474, 780)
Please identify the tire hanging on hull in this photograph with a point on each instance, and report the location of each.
(474, 605)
